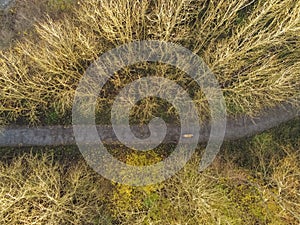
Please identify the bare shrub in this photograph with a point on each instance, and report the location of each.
(37, 190)
(251, 46)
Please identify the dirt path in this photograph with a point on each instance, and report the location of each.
(237, 128)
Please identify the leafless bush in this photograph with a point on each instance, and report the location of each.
(251, 46)
(37, 190)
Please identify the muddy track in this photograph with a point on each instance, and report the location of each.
(238, 127)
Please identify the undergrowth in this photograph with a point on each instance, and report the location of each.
(37, 189)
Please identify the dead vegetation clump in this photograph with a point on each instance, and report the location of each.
(34, 189)
(251, 46)
(37, 189)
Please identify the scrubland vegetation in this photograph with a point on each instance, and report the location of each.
(253, 181)
(252, 47)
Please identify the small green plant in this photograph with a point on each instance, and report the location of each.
(52, 117)
(60, 5)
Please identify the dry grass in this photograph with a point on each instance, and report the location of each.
(193, 198)
(37, 190)
(251, 46)
(257, 55)
(264, 175)
(18, 22)
(225, 194)
(286, 180)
